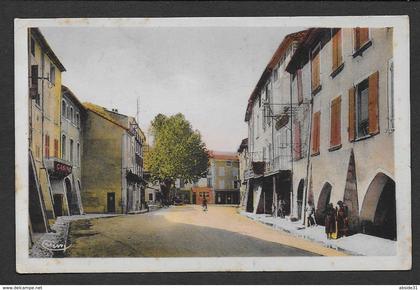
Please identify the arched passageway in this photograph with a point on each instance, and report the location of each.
(69, 195)
(323, 201)
(378, 215)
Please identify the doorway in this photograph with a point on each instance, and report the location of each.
(300, 198)
(58, 205)
(111, 202)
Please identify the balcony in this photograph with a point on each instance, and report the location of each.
(58, 167)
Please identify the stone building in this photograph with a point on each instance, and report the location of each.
(224, 176)
(345, 100)
(72, 117)
(44, 98)
(112, 168)
(269, 135)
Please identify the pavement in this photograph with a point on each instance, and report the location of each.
(358, 244)
(58, 235)
(186, 231)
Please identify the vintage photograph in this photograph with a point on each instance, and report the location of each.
(249, 144)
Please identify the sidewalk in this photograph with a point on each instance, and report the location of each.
(358, 244)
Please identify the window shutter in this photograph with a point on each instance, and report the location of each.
(335, 134)
(373, 103)
(299, 86)
(315, 71)
(56, 148)
(352, 114)
(333, 123)
(356, 32)
(363, 36)
(316, 133)
(339, 48)
(335, 51)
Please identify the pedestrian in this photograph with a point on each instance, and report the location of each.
(204, 204)
(310, 211)
(330, 226)
(342, 219)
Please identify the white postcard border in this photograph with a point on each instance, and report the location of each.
(403, 259)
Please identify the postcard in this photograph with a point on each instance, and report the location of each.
(212, 144)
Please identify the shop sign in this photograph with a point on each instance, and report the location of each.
(61, 168)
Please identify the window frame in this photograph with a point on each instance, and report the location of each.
(52, 74)
(33, 46)
(365, 82)
(63, 146)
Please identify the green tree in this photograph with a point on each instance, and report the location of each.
(177, 152)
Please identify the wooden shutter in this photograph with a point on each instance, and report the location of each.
(316, 132)
(356, 32)
(47, 146)
(315, 71)
(352, 114)
(363, 36)
(373, 103)
(299, 86)
(56, 148)
(335, 133)
(336, 50)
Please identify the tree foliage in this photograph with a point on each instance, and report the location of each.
(177, 152)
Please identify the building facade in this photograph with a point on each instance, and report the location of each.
(270, 147)
(332, 124)
(347, 97)
(44, 98)
(224, 176)
(72, 117)
(112, 168)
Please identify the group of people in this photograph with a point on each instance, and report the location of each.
(336, 220)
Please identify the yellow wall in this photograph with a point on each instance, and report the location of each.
(229, 175)
(101, 166)
(50, 105)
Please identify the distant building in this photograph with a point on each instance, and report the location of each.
(224, 169)
(72, 117)
(112, 168)
(45, 163)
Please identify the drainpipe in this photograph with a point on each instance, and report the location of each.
(291, 142)
(308, 156)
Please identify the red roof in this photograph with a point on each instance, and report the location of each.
(218, 155)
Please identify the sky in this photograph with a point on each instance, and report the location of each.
(206, 73)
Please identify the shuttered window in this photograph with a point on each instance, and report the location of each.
(373, 103)
(336, 50)
(47, 146)
(364, 108)
(56, 148)
(316, 132)
(299, 86)
(315, 69)
(335, 134)
(361, 37)
(297, 141)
